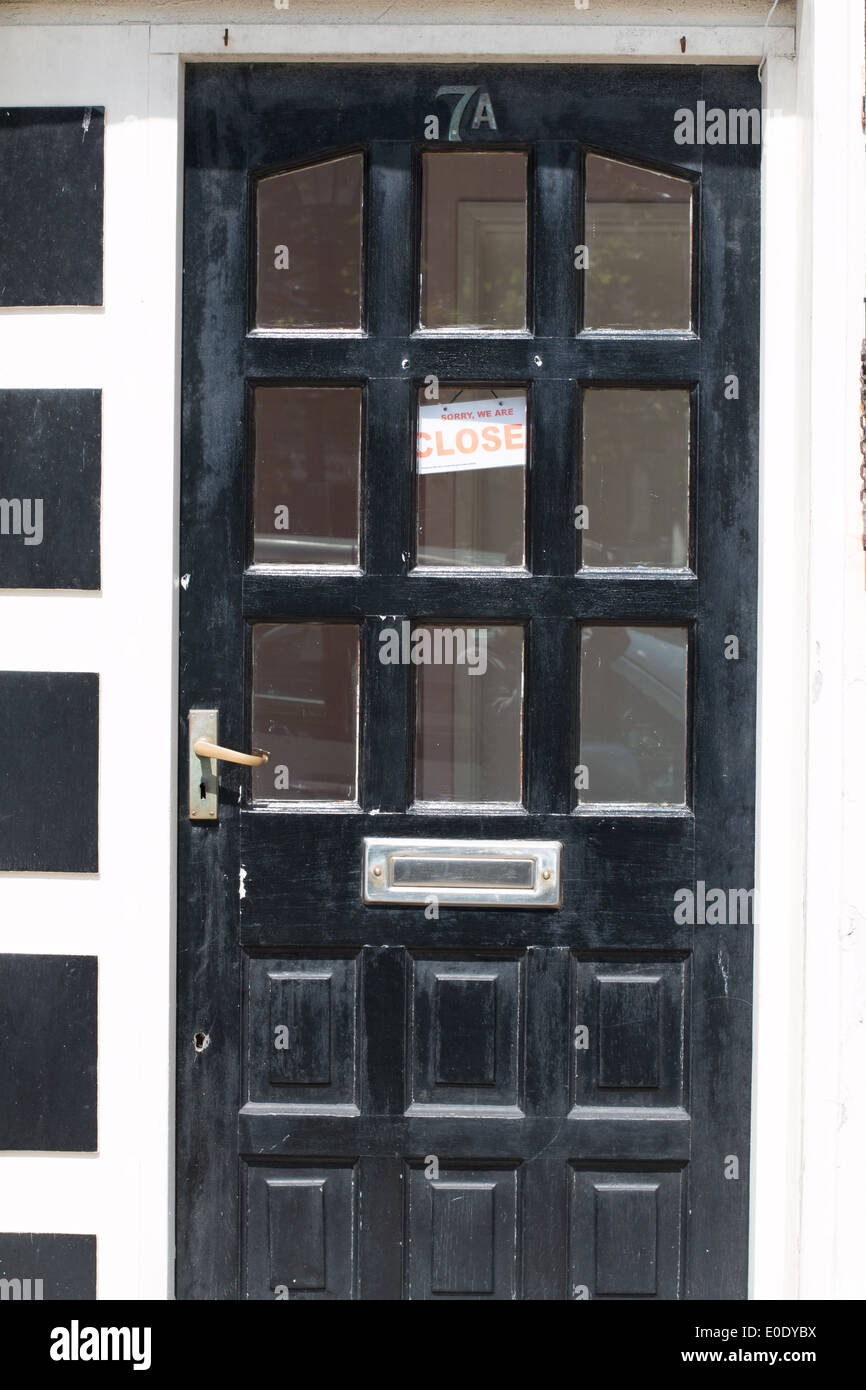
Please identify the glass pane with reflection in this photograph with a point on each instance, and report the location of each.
(305, 711)
(638, 237)
(471, 463)
(307, 475)
(632, 715)
(309, 246)
(473, 239)
(469, 714)
(635, 484)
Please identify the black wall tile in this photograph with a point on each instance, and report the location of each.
(66, 1266)
(51, 194)
(50, 471)
(49, 771)
(48, 1043)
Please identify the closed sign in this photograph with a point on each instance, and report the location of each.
(480, 434)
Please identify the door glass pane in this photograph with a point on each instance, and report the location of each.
(473, 240)
(468, 744)
(635, 478)
(633, 715)
(638, 237)
(309, 246)
(307, 475)
(305, 711)
(471, 460)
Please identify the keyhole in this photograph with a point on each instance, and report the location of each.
(202, 790)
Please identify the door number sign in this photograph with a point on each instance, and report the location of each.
(483, 114)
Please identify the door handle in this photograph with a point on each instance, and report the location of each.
(204, 754)
(203, 748)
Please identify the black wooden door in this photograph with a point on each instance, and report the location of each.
(494, 381)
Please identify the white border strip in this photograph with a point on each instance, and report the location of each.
(782, 692)
(833, 1216)
(476, 43)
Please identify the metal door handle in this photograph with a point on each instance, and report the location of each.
(204, 754)
(203, 748)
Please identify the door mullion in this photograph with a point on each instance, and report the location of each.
(387, 479)
(390, 266)
(554, 233)
(385, 723)
(549, 703)
(552, 475)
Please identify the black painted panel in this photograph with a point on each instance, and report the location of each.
(48, 1045)
(610, 880)
(302, 1029)
(300, 1231)
(51, 195)
(628, 1028)
(49, 771)
(301, 1035)
(50, 470)
(465, 1029)
(56, 1266)
(634, 1047)
(625, 1233)
(462, 1233)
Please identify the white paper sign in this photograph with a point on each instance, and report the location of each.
(475, 434)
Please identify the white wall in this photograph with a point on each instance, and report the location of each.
(808, 1131)
(833, 1232)
(809, 1111)
(127, 634)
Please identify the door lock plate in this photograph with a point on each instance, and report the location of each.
(203, 774)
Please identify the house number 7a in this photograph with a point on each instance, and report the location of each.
(483, 112)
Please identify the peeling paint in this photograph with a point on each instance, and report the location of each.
(723, 966)
(242, 882)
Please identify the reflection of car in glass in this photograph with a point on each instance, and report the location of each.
(631, 554)
(304, 550)
(633, 714)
